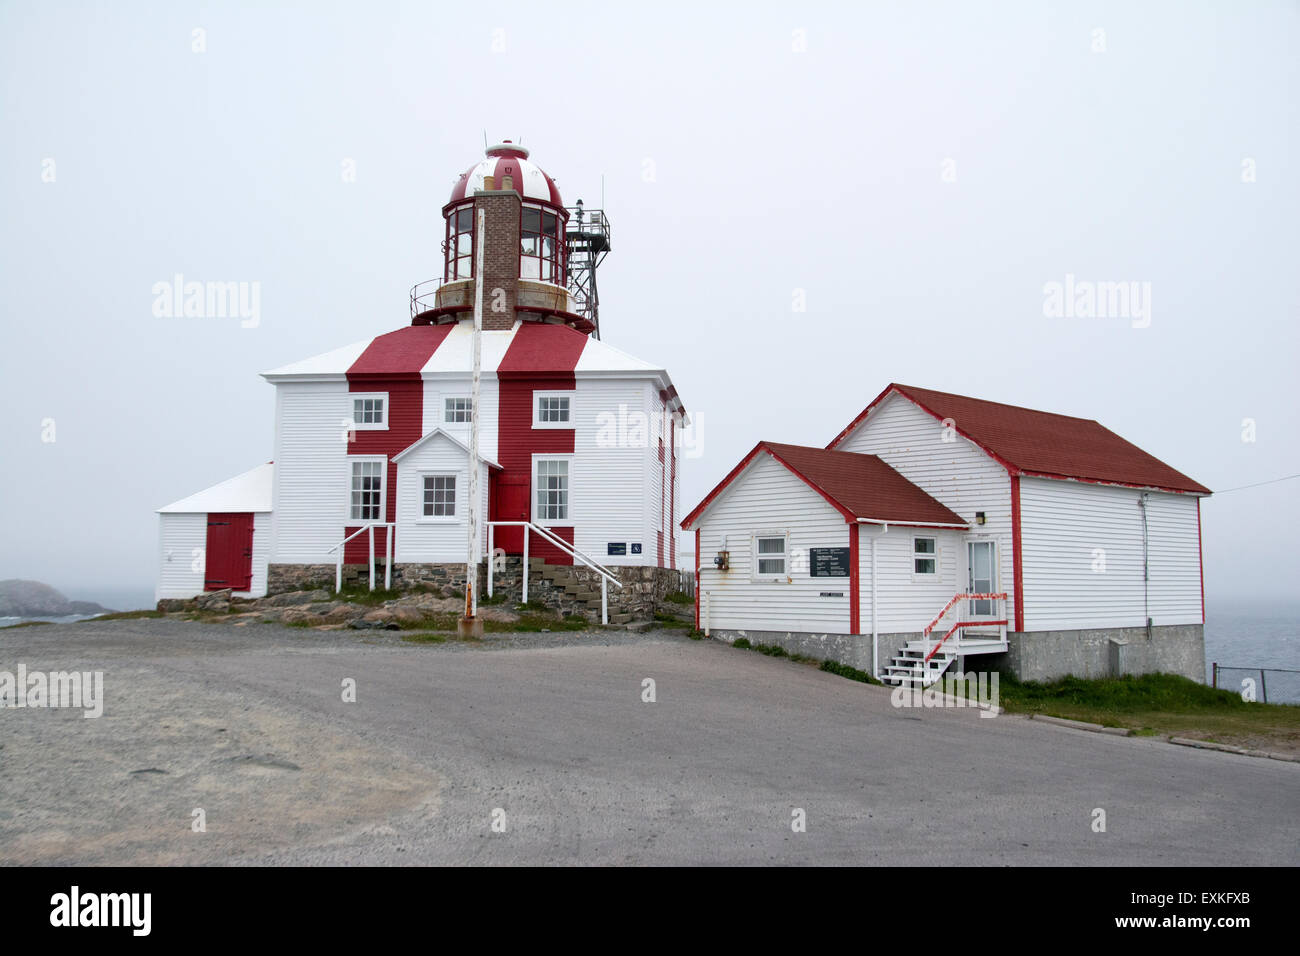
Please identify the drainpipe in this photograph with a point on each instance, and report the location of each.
(875, 649)
(1146, 572)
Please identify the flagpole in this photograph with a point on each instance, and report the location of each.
(471, 624)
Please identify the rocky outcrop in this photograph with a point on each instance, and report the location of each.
(20, 598)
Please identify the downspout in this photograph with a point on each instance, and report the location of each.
(875, 634)
(1146, 572)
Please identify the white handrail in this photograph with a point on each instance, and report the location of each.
(606, 576)
(388, 554)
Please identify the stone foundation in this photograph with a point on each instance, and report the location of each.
(1108, 652)
(1035, 655)
(640, 596)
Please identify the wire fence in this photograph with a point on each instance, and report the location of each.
(1276, 685)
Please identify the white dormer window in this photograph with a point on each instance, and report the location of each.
(370, 410)
(552, 410)
(456, 411)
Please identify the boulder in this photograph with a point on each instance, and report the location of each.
(214, 601)
(297, 615)
(294, 598)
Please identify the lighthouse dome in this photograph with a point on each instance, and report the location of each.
(504, 160)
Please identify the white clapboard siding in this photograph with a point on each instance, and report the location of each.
(458, 385)
(655, 489)
(1083, 556)
(311, 471)
(261, 553)
(431, 541)
(907, 601)
(767, 498)
(957, 473)
(182, 539)
(608, 474)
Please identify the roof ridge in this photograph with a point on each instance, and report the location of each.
(985, 401)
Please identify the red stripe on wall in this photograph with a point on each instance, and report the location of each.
(1017, 556)
(855, 588)
(391, 363)
(540, 358)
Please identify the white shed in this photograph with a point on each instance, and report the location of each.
(218, 538)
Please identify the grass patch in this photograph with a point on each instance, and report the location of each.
(742, 643)
(1158, 704)
(10, 627)
(844, 670)
(356, 595)
(125, 616)
(678, 597)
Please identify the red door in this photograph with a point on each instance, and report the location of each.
(229, 557)
(511, 504)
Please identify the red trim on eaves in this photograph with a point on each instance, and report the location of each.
(1200, 558)
(855, 589)
(1017, 555)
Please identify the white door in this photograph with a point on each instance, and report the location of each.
(981, 574)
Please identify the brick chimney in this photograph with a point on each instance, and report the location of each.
(501, 208)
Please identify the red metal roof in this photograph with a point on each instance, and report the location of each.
(857, 486)
(1042, 443)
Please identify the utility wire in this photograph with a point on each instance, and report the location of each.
(1257, 484)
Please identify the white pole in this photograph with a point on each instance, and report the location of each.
(604, 606)
(491, 555)
(471, 568)
(388, 557)
(338, 572)
(372, 556)
(526, 530)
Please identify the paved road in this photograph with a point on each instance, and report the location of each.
(549, 736)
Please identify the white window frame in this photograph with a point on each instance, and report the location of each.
(785, 576)
(383, 489)
(924, 576)
(469, 410)
(355, 397)
(537, 409)
(567, 520)
(421, 517)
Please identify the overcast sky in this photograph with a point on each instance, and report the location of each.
(916, 172)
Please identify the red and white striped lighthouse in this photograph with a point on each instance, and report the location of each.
(580, 442)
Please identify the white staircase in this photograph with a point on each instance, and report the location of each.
(923, 663)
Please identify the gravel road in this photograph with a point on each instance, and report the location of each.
(540, 749)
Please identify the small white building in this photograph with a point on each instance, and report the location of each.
(217, 539)
(936, 527)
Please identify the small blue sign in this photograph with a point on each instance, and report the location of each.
(636, 547)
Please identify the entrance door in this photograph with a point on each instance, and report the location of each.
(512, 504)
(981, 574)
(228, 561)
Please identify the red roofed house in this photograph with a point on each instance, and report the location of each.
(937, 527)
(576, 438)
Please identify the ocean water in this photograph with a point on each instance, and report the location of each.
(1255, 634)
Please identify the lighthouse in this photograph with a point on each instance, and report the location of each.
(578, 443)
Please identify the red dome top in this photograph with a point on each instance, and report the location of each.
(507, 159)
